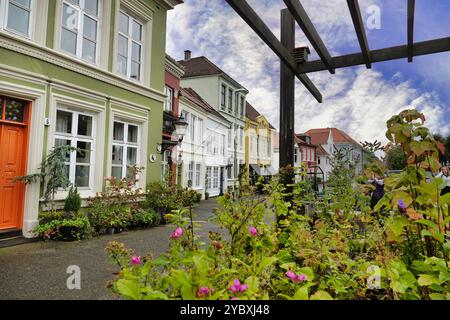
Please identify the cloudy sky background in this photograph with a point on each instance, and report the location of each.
(355, 99)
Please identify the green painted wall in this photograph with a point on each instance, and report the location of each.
(51, 20)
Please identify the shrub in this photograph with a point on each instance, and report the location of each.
(73, 228)
(73, 201)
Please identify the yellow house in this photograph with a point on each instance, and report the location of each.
(259, 137)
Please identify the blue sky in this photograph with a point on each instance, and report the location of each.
(355, 99)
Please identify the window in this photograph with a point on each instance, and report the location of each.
(241, 109)
(130, 43)
(168, 104)
(191, 173)
(165, 168)
(198, 168)
(209, 177)
(230, 100)
(230, 172)
(223, 97)
(79, 28)
(216, 178)
(296, 155)
(75, 129)
(12, 110)
(15, 16)
(125, 149)
(222, 146)
(241, 138)
(193, 128)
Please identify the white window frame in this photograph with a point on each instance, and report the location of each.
(74, 138)
(209, 177)
(4, 6)
(197, 175)
(125, 144)
(215, 184)
(168, 103)
(130, 41)
(80, 30)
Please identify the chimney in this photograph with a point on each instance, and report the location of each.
(187, 55)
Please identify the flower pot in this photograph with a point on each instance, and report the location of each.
(110, 231)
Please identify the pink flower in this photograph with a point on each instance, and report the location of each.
(301, 278)
(135, 260)
(177, 233)
(238, 287)
(253, 231)
(204, 291)
(234, 298)
(291, 275)
(296, 278)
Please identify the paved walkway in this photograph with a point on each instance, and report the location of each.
(38, 270)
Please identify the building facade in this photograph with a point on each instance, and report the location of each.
(332, 140)
(226, 96)
(204, 150)
(259, 144)
(89, 74)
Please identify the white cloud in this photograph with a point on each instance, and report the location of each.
(356, 100)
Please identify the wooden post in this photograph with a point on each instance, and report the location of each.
(287, 97)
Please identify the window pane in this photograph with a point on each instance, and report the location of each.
(24, 3)
(90, 28)
(63, 122)
(84, 155)
(122, 65)
(123, 46)
(123, 23)
(15, 111)
(136, 52)
(132, 134)
(70, 18)
(18, 19)
(118, 131)
(91, 6)
(131, 156)
(84, 125)
(135, 71)
(89, 48)
(116, 172)
(69, 41)
(63, 142)
(137, 31)
(77, 2)
(117, 155)
(82, 176)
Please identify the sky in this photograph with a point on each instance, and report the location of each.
(356, 99)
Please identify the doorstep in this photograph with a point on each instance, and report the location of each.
(13, 237)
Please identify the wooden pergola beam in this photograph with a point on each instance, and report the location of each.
(303, 20)
(392, 53)
(245, 11)
(411, 13)
(355, 12)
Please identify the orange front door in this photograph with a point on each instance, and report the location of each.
(12, 164)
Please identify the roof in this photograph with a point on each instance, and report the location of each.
(202, 66)
(194, 97)
(253, 114)
(298, 139)
(320, 136)
(321, 151)
(172, 66)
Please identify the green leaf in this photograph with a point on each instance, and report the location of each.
(129, 289)
(321, 295)
(426, 280)
(428, 223)
(397, 224)
(161, 261)
(253, 283)
(266, 262)
(437, 296)
(155, 295)
(301, 294)
(308, 272)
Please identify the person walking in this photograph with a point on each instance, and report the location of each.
(444, 175)
(378, 193)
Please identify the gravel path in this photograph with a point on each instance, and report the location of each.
(38, 270)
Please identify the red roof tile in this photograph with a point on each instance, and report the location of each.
(320, 136)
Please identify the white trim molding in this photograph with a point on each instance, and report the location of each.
(69, 63)
(35, 150)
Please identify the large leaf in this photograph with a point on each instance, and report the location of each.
(301, 294)
(427, 280)
(253, 284)
(129, 289)
(321, 295)
(397, 225)
(266, 262)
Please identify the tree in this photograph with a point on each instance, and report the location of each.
(395, 158)
(444, 147)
